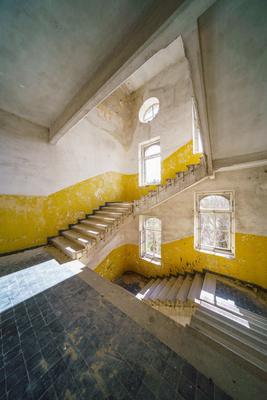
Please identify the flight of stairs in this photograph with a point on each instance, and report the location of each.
(191, 300)
(182, 181)
(94, 231)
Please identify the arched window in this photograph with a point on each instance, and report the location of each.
(149, 163)
(149, 110)
(150, 238)
(214, 223)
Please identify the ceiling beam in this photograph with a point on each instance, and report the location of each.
(164, 22)
(100, 85)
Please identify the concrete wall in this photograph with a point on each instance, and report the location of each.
(177, 216)
(173, 124)
(233, 37)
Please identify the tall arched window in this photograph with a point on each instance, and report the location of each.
(150, 238)
(150, 163)
(214, 223)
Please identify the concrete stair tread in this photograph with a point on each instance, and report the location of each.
(78, 237)
(120, 204)
(256, 318)
(95, 225)
(158, 289)
(104, 220)
(184, 289)
(163, 293)
(109, 213)
(195, 289)
(142, 292)
(171, 295)
(244, 350)
(208, 289)
(123, 210)
(242, 320)
(231, 325)
(152, 288)
(86, 230)
(69, 247)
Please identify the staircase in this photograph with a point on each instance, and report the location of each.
(191, 300)
(183, 180)
(97, 229)
(93, 232)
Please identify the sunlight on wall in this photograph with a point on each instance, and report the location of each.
(28, 221)
(250, 263)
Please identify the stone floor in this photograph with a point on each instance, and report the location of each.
(60, 339)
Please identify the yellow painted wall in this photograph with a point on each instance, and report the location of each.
(249, 264)
(27, 221)
(114, 265)
(177, 161)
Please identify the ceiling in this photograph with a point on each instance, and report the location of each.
(50, 49)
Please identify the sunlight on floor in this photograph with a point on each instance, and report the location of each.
(21, 285)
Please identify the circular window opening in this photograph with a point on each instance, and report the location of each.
(149, 110)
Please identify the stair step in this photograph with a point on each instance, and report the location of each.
(150, 291)
(78, 237)
(184, 289)
(242, 349)
(108, 213)
(123, 210)
(233, 326)
(122, 204)
(163, 293)
(171, 295)
(70, 248)
(208, 289)
(255, 318)
(158, 289)
(237, 317)
(195, 288)
(142, 293)
(86, 230)
(101, 219)
(95, 225)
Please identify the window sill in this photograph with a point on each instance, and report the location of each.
(228, 255)
(155, 261)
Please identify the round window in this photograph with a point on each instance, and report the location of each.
(149, 110)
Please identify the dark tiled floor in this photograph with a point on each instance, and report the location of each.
(239, 298)
(68, 342)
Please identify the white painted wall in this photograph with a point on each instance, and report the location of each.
(233, 38)
(177, 214)
(173, 124)
(29, 165)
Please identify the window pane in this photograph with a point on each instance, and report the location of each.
(214, 202)
(207, 230)
(153, 223)
(153, 240)
(222, 240)
(223, 222)
(152, 150)
(151, 112)
(152, 171)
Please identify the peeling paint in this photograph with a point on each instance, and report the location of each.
(179, 256)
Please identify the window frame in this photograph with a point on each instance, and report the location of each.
(154, 259)
(230, 252)
(143, 158)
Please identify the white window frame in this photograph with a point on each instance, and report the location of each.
(142, 159)
(153, 258)
(197, 140)
(228, 253)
